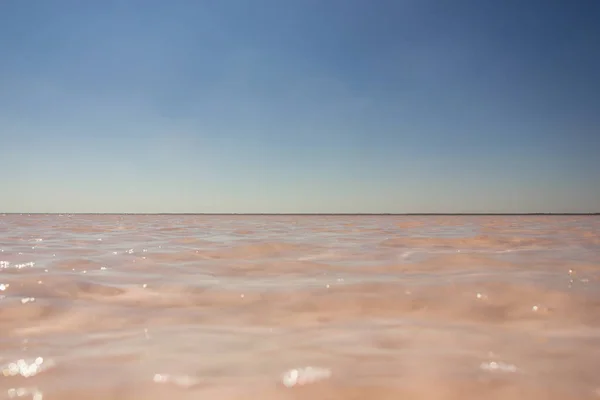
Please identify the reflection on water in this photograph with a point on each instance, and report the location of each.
(290, 307)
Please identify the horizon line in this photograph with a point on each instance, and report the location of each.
(305, 214)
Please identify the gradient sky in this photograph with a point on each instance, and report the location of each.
(300, 106)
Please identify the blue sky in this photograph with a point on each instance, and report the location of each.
(300, 106)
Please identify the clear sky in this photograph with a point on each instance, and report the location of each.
(300, 106)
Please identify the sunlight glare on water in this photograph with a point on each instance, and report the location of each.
(282, 307)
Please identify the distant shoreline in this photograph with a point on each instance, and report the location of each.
(319, 214)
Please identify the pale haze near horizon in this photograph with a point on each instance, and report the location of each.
(300, 106)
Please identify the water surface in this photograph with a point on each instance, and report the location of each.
(233, 307)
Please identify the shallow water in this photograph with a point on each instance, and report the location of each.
(233, 307)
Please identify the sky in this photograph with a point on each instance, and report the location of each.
(300, 106)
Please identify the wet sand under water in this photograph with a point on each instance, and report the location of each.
(236, 307)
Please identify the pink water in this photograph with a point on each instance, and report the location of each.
(222, 307)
